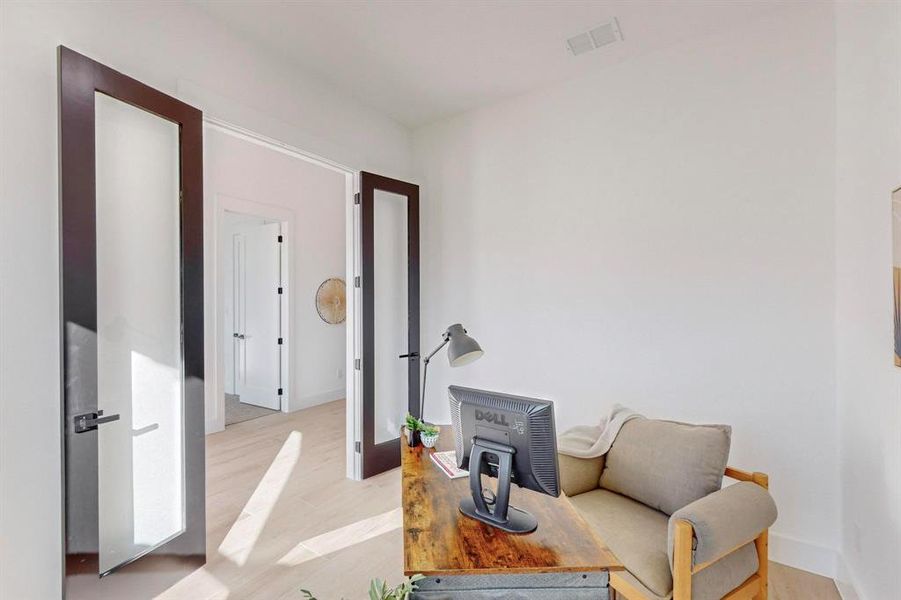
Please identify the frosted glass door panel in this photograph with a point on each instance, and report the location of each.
(141, 473)
(391, 319)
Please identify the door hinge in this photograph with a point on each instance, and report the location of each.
(357, 362)
(357, 198)
(357, 281)
(280, 290)
(280, 341)
(280, 391)
(280, 239)
(357, 447)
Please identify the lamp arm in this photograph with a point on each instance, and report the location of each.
(425, 373)
(435, 351)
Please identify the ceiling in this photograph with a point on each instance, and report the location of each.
(419, 61)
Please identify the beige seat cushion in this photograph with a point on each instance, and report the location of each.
(636, 534)
(725, 575)
(666, 465)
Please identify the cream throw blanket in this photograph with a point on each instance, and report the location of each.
(591, 441)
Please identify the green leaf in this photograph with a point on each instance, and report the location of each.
(378, 590)
(412, 423)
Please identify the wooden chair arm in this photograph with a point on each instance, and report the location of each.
(755, 587)
(761, 479)
(682, 543)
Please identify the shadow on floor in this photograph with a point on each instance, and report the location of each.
(238, 412)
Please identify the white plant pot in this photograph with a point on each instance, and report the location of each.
(429, 441)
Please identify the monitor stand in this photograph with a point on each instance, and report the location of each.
(503, 516)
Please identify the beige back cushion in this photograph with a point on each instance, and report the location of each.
(667, 465)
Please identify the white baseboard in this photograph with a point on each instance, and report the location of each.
(317, 399)
(846, 582)
(816, 559)
(821, 560)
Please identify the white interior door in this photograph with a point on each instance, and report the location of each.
(258, 312)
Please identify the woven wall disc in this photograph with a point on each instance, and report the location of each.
(331, 301)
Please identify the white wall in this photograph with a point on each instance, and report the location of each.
(175, 49)
(659, 234)
(869, 385)
(313, 199)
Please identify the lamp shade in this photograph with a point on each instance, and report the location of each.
(461, 349)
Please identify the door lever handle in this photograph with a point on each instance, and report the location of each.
(89, 421)
(409, 355)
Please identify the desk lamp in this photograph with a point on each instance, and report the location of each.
(461, 350)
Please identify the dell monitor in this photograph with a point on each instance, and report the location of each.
(508, 437)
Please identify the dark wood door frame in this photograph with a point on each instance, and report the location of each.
(377, 458)
(79, 79)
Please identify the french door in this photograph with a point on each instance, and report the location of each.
(131, 236)
(389, 219)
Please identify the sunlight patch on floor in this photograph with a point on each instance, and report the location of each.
(343, 537)
(244, 533)
(199, 584)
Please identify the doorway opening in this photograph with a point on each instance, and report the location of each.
(253, 304)
(258, 191)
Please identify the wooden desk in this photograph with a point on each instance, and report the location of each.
(465, 558)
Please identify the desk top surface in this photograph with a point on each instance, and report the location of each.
(438, 539)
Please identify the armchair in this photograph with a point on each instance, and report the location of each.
(656, 499)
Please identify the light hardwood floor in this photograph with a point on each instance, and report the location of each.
(282, 517)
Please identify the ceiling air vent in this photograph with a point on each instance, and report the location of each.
(580, 44)
(595, 38)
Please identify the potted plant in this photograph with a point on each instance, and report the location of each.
(412, 427)
(429, 435)
(379, 590)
